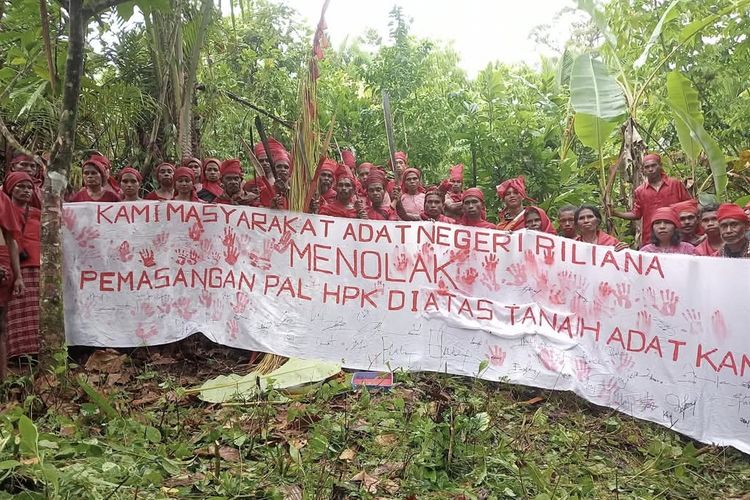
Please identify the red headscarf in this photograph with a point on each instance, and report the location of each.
(186, 162)
(103, 165)
(411, 170)
(328, 165)
(344, 172)
(456, 173)
(41, 174)
(185, 172)
(278, 152)
(732, 211)
(546, 226)
(690, 206)
(231, 166)
(517, 183)
(12, 180)
(348, 158)
(652, 156)
(400, 155)
(376, 176)
(475, 192)
(667, 214)
(130, 170)
(213, 187)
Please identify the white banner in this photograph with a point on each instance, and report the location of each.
(660, 337)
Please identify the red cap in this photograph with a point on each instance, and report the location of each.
(231, 166)
(690, 206)
(667, 214)
(344, 172)
(517, 183)
(475, 192)
(732, 211)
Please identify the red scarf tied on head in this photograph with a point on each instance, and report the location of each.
(732, 211)
(399, 155)
(186, 172)
(132, 171)
(690, 206)
(278, 152)
(213, 187)
(344, 172)
(348, 158)
(517, 183)
(102, 164)
(475, 192)
(38, 180)
(12, 180)
(666, 214)
(652, 157)
(231, 166)
(376, 176)
(546, 226)
(411, 170)
(456, 172)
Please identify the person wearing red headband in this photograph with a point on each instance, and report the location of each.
(130, 183)
(665, 234)
(566, 221)
(26, 163)
(23, 310)
(326, 178)
(210, 180)
(690, 230)
(733, 226)
(411, 193)
(657, 191)
(165, 183)
(474, 210)
(536, 219)
(346, 204)
(196, 166)
(278, 187)
(433, 206)
(710, 225)
(512, 192)
(252, 190)
(11, 278)
(377, 209)
(588, 219)
(95, 178)
(184, 185)
(453, 187)
(231, 179)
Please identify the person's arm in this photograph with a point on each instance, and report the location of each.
(624, 215)
(15, 265)
(401, 211)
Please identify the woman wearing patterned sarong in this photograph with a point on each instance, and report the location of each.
(23, 311)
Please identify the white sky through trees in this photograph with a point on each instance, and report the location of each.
(482, 31)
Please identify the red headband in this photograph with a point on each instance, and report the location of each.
(12, 180)
(231, 167)
(473, 192)
(517, 183)
(185, 172)
(731, 211)
(652, 156)
(667, 214)
(686, 206)
(132, 171)
(457, 172)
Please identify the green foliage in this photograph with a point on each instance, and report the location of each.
(684, 97)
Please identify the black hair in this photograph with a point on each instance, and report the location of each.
(566, 208)
(586, 206)
(711, 207)
(676, 236)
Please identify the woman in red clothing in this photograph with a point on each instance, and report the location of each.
(512, 193)
(95, 178)
(165, 180)
(210, 181)
(184, 185)
(536, 219)
(130, 183)
(588, 218)
(665, 234)
(25, 163)
(11, 280)
(23, 310)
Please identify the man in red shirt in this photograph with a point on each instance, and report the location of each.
(346, 204)
(733, 226)
(710, 225)
(688, 211)
(374, 185)
(231, 179)
(474, 211)
(657, 191)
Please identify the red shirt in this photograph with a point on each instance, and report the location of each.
(83, 195)
(31, 239)
(603, 239)
(484, 224)
(441, 218)
(705, 249)
(648, 199)
(515, 223)
(385, 212)
(336, 209)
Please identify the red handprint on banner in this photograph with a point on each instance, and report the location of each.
(187, 257)
(458, 257)
(443, 288)
(146, 334)
(604, 290)
(622, 294)
(578, 306)
(242, 300)
(557, 296)
(229, 237)
(582, 369)
(609, 390)
(624, 362)
(182, 306)
(231, 254)
(379, 289)
(144, 310)
(427, 252)
(551, 360)
(468, 277)
(233, 327)
(644, 321)
(160, 240)
(147, 257)
(695, 321)
(489, 276)
(518, 273)
(401, 260)
(196, 231)
(206, 299)
(69, 219)
(549, 256)
(284, 242)
(496, 355)
(124, 253)
(669, 300)
(85, 236)
(719, 325)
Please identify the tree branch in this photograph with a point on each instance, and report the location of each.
(12, 140)
(96, 6)
(250, 105)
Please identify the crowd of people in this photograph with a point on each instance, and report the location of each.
(671, 220)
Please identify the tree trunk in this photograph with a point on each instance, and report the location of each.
(44, 18)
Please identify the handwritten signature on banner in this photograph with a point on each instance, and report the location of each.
(622, 329)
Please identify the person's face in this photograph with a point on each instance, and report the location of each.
(457, 185)
(533, 221)
(568, 223)
(282, 171)
(400, 164)
(91, 176)
(652, 170)
(710, 223)
(512, 199)
(345, 188)
(433, 206)
(231, 183)
(663, 230)
(689, 223)
(411, 182)
(587, 221)
(184, 185)
(266, 165)
(363, 173)
(375, 194)
(473, 207)
(747, 211)
(22, 192)
(325, 180)
(212, 172)
(26, 166)
(732, 231)
(196, 169)
(130, 185)
(253, 188)
(165, 175)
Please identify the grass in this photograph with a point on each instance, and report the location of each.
(133, 433)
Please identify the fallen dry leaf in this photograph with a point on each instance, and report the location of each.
(533, 401)
(291, 492)
(67, 430)
(106, 361)
(146, 399)
(298, 443)
(225, 452)
(388, 469)
(348, 455)
(386, 439)
(30, 461)
(370, 483)
(184, 480)
(390, 486)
